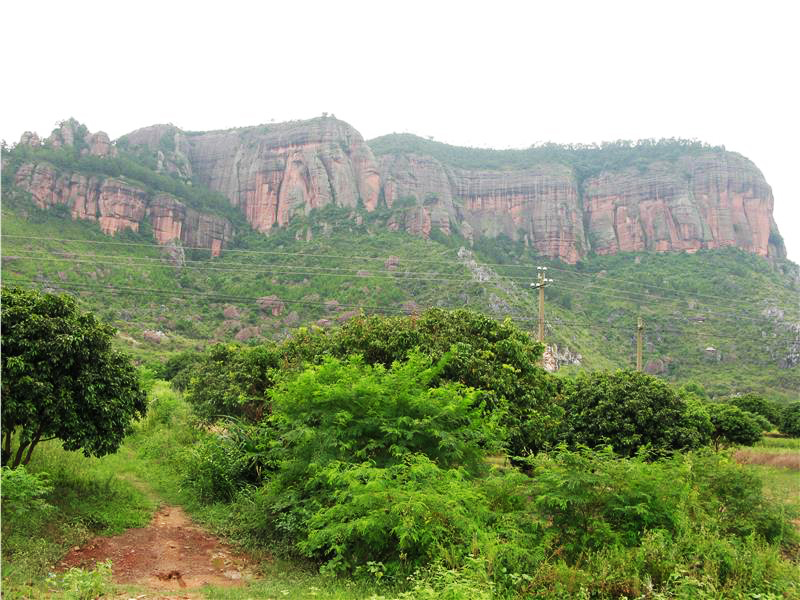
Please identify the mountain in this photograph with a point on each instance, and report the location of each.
(247, 233)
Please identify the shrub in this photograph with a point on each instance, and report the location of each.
(406, 516)
(627, 410)
(758, 405)
(790, 420)
(22, 495)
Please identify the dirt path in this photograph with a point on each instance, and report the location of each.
(169, 555)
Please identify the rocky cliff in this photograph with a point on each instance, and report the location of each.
(564, 201)
(114, 203)
(272, 172)
(706, 199)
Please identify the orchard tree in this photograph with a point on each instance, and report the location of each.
(733, 426)
(61, 379)
(758, 405)
(790, 420)
(629, 410)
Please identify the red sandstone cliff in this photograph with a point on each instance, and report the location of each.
(272, 172)
(117, 205)
(276, 172)
(706, 201)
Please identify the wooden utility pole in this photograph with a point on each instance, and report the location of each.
(541, 282)
(639, 334)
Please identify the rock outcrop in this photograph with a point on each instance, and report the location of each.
(708, 200)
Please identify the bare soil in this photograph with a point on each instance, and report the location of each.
(169, 555)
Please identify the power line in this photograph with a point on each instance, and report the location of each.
(695, 295)
(395, 276)
(656, 326)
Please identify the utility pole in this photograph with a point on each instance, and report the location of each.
(639, 334)
(541, 282)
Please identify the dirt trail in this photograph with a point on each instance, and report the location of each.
(169, 555)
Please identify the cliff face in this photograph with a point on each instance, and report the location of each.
(537, 205)
(706, 201)
(709, 200)
(272, 172)
(117, 205)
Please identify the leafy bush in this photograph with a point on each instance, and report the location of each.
(628, 410)
(231, 380)
(22, 495)
(82, 584)
(344, 412)
(733, 425)
(215, 468)
(406, 516)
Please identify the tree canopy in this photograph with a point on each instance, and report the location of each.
(62, 378)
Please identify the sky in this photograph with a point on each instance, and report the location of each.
(499, 74)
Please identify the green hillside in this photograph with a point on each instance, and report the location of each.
(325, 268)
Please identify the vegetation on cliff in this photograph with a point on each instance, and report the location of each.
(586, 159)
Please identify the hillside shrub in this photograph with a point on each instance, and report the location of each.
(345, 414)
(231, 380)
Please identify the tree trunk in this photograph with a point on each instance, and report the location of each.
(20, 451)
(31, 447)
(7, 436)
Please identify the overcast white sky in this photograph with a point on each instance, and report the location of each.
(499, 74)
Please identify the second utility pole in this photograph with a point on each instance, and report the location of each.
(541, 282)
(639, 332)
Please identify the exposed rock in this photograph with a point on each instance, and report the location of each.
(391, 263)
(154, 336)
(271, 304)
(655, 366)
(347, 315)
(247, 333)
(554, 358)
(332, 305)
(707, 201)
(29, 138)
(231, 312)
(324, 322)
(410, 307)
(291, 319)
(100, 144)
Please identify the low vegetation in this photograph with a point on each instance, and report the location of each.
(357, 459)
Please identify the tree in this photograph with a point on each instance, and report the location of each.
(732, 425)
(790, 421)
(62, 379)
(758, 405)
(628, 410)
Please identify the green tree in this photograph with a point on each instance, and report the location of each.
(62, 379)
(733, 426)
(628, 410)
(758, 405)
(790, 420)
